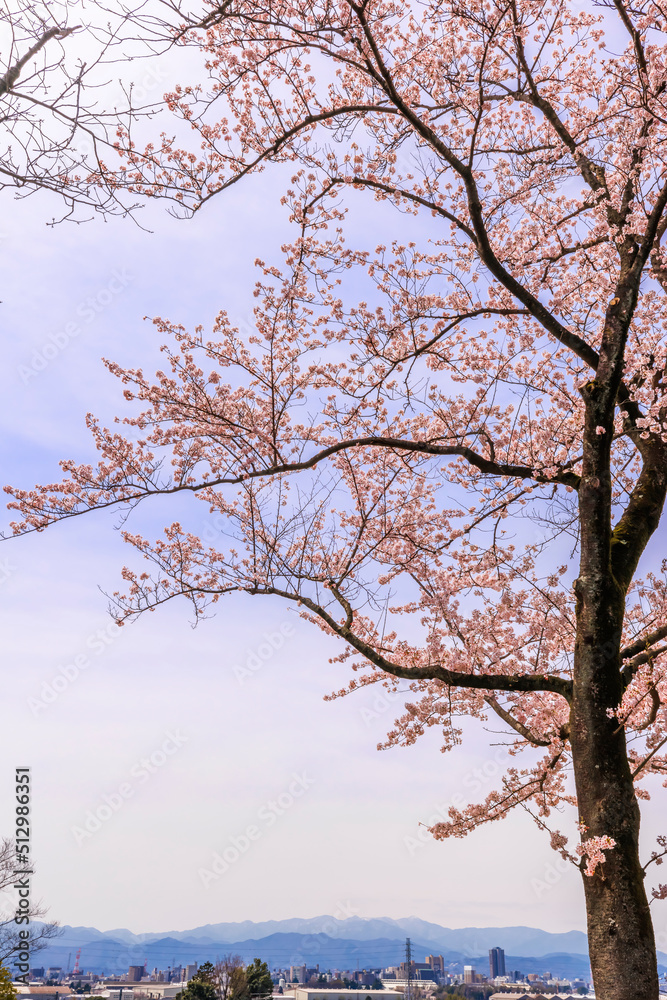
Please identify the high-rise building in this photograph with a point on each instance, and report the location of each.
(135, 973)
(468, 974)
(437, 963)
(297, 973)
(496, 962)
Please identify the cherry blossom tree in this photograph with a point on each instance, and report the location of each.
(448, 451)
(66, 90)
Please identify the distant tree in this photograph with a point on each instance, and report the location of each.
(40, 933)
(202, 986)
(259, 980)
(230, 979)
(7, 989)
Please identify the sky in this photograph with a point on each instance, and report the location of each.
(215, 741)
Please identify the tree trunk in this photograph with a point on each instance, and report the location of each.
(620, 931)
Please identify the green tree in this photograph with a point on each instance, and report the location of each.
(259, 979)
(201, 986)
(7, 989)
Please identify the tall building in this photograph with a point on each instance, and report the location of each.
(468, 974)
(437, 963)
(497, 962)
(135, 973)
(297, 973)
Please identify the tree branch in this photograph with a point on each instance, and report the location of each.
(640, 645)
(11, 76)
(485, 466)
(514, 724)
(451, 678)
(648, 758)
(630, 668)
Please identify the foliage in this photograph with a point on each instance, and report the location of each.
(202, 986)
(7, 989)
(466, 992)
(230, 979)
(259, 979)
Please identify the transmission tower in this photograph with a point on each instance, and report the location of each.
(408, 969)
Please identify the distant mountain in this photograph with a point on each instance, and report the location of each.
(105, 954)
(350, 943)
(476, 940)
(524, 940)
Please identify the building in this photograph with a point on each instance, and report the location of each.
(496, 962)
(297, 973)
(365, 978)
(44, 992)
(395, 984)
(156, 991)
(135, 973)
(425, 975)
(468, 974)
(437, 963)
(329, 994)
(535, 996)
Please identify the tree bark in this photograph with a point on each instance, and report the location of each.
(620, 933)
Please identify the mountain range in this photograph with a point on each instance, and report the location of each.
(331, 942)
